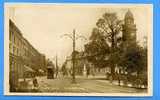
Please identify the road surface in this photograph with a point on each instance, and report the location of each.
(83, 85)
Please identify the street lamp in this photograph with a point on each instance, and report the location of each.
(74, 38)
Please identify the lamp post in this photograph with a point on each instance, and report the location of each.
(74, 38)
(56, 66)
(73, 58)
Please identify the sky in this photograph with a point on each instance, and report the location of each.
(44, 25)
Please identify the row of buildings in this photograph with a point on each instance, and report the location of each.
(23, 57)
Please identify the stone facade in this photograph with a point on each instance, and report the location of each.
(79, 63)
(22, 53)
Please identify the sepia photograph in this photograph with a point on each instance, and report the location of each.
(72, 49)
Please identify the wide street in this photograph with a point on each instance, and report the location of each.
(83, 85)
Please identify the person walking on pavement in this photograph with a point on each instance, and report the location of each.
(35, 82)
(88, 71)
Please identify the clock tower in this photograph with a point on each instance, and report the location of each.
(129, 28)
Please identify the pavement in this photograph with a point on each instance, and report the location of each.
(83, 85)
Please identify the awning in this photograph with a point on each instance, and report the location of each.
(50, 67)
(28, 69)
(40, 70)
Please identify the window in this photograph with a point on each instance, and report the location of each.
(10, 36)
(17, 52)
(17, 42)
(14, 50)
(10, 47)
(14, 40)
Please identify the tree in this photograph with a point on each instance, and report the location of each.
(134, 59)
(97, 48)
(111, 27)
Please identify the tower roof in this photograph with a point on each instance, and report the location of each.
(128, 15)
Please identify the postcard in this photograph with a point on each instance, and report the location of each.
(58, 49)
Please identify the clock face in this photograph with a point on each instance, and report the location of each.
(129, 21)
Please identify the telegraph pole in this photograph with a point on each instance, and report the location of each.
(73, 57)
(56, 66)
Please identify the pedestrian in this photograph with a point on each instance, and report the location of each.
(88, 72)
(56, 72)
(35, 82)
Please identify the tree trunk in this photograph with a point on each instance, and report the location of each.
(113, 71)
(113, 50)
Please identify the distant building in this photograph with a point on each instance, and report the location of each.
(79, 63)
